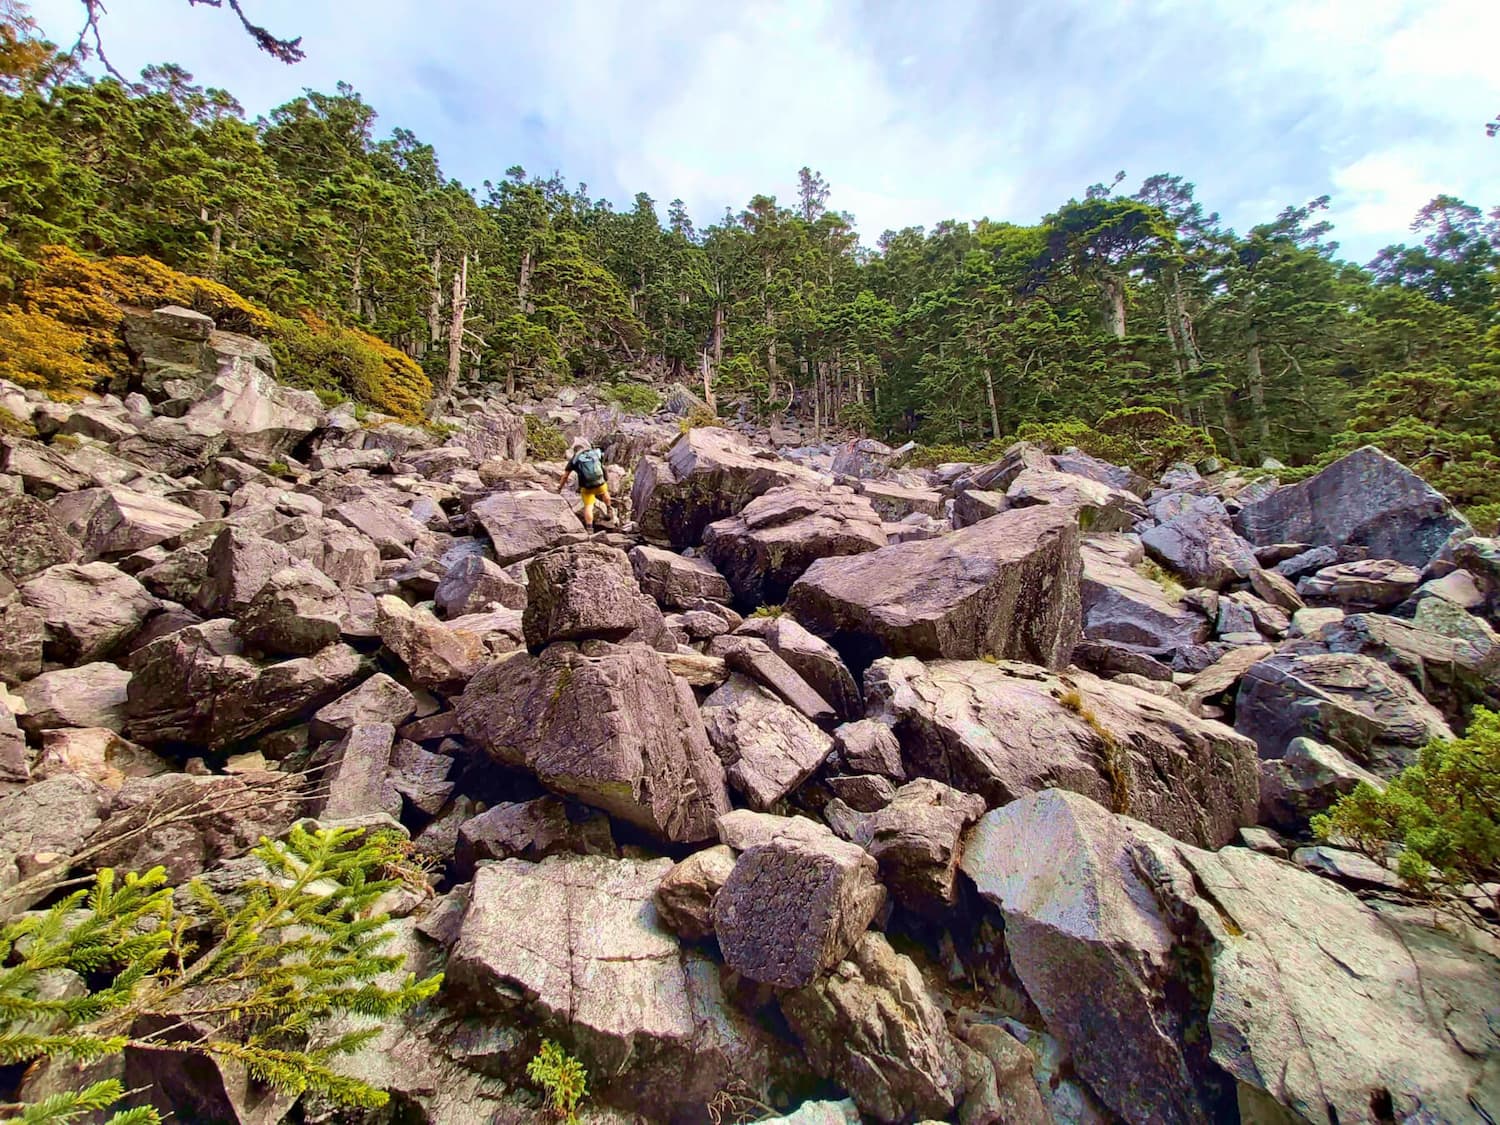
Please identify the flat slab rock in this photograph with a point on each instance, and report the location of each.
(1177, 975)
(1006, 587)
(1003, 730)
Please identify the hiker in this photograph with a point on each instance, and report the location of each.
(588, 463)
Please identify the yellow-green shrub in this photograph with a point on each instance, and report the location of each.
(40, 351)
(331, 358)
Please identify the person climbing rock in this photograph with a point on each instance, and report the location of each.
(588, 463)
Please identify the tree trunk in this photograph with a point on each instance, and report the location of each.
(455, 338)
(435, 300)
(989, 391)
(359, 266)
(523, 287)
(1114, 296)
(1255, 381)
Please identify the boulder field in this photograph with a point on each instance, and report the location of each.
(806, 786)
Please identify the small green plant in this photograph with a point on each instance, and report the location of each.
(1173, 589)
(544, 441)
(1113, 756)
(562, 1078)
(441, 430)
(279, 469)
(301, 947)
(699, 415)
(1441, 816)
(10, 424)
(766, 611)
(634, 397)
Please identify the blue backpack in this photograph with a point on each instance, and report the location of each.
(589, 465)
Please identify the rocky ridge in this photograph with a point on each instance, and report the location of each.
(811, 783)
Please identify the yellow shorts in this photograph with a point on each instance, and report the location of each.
(590, 495)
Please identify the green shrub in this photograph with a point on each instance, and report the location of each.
(562, 1078)
(699, 415)
(332, 359)
(301, 948)
(278, 468)
(634, 397)
(1442, 815)
(544, 441)
(767, 611)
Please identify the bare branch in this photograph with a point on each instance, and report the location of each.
(283, 50)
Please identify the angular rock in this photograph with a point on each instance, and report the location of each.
(530, 830)
(178, 577)
(872, 1027)
(98, 754)
(815, 660)
(23, 637)
(1224, 674)
(863, 793)
(43, 470)
(1100, 507)
(767, 546)
(1315, 558)
(768, 748)
(1369, 584)
(298, 611)
(614, 730)
(1364, 499)
(1123, 606)
(175, 446)
(677, 582)
(520, 524)
(868, 746)
(123, 520)
(1355, 704)
(898, 501)
(1004, 730)
(379, 699)
(31, 539)
(89, 610)
(473, 584)
(239, 564)
(45, 823)
(1308, 779)
(708, 474)
(1202, 549)
(862, 457)
(91, 695)
(795, 904)
(420, 777)
(355, 778)
(1006, 587)
(685, 897)
(1276, 589)
(438, 657)
(755, 659)
(262, 415)
(972, 505)
(194, 689)
(916, 840)
(585, 591)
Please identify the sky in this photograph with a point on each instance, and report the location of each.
(914, 112)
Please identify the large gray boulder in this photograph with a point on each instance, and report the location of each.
(579, 938)
(795, 903)
(121, 520)
(708, 474)
(1004, 730)
(46, 821)
(676, 582)
(261, 415)
(584, 591)
(239, 564)
(1366, 584)
(473, 584)
(295, 613)
(1364, 499)
(768, 544)
(522, 523)
(439, 656)
(615, 730)
(812, 658)
(89, 610)
(1100, 506)
(90, 695)
(1006, 587)
(872, 1026)
(1308, 779)
(916, 840)
(31, 539)
(768, 748)
(1195, 986)
(1124, 607)
(1352, 702)
(1202, 548)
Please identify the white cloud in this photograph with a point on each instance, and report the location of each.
(915, 113)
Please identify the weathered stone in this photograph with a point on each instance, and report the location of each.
(1349, 868)
(379, 699)
(1368, 584)
(31, 539)
(530, 830)
(794, 905)
(862, 792)
(871, 1026)
(1251, 615)
(1123, 606)
(1100, 507)
(420, 777)
(614, 730)
(122, 520)
(1006, 587)
(45, 823)
(520, 524)
(175, 446)
(437, 656)
(239, 564)
(355, 778)
(23, 637)
(89, 610)
(579, 937)
(708, 474)
(862, 457)
(193, 688)
(1308, 779)
(767, 546)
(1276, 589)
(812, 658)
(586, 591)
(178, 577)
(1224, 674)
(393, 531)
(91, 695)
(685, 897)
(1315, 558)
(1354, 703)
(894, 501)
(1202, 549)
(43, 470)
(342, 460)
(768, 748)
(473, 584)
(298, 611)
(755, 659)
(972, 505)
(916, 840)
(1364, 499)
(676, 582)
(1004, 730)
(868, 746)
